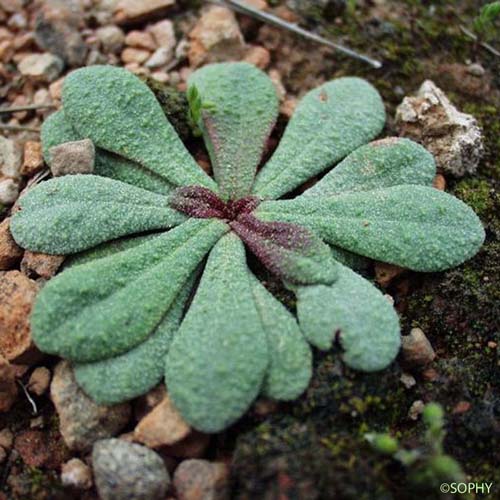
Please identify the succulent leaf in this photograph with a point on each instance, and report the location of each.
(76, 212)
(57, 130)
(416, 227)
(329, 122)
(106, 307)
(292, 252)
(384, 163)
(119, 113)
(353, 311)
(243, 107)
(218, 358)
(290, 365)
(133, 373)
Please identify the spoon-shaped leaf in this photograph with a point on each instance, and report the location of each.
(133, 373)
(76, 212)
(416, 227)
(329, 122)
(119, 113)
(238, 109)
(353, 311)
(290, 365)
(106, 307)
(388, 162)
(218, 358)
(57, 130)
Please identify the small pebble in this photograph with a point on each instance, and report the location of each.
(417, 350)
(76, 157)
(39, 380)
(416, 409)
(76, 474)
(201, 479)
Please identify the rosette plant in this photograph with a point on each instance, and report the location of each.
(138, 300)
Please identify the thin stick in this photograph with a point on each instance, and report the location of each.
(29, 398)
(474, 37)
(266, 17)
(18, 128)
(28, 107)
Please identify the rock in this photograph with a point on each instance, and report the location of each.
(82, 422)
(385, 273)
(8, 387)
(128, 471)
(193, 446)
(140, 40)
(12, 6)
(130, 55)
(55, 89)
(76, 474)
(57, 31)
(10, 158)
(39, 380)
(475, 69)
(9, 191)
(160, 57)
(131, 11)
(461, 407)
(41, 265)
(164, 34)
(3, 455)
(216, 37)
(439, 182)
(17, 294)
(416, 409)
(258, 56)
(6, 439)
(45, 67)
(33, 158)
(10, 252)
(416, 348)
(75, 157)
(162, 426)
(145, 403)
(112, 38)
(201, 480)
(40, 449)
(454, 138)
(408, 380)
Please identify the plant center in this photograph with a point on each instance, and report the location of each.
(202, 203)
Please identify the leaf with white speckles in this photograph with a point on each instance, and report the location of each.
(388, 162)
(119, 113)
(218, 358)
(365, 322)
(236, 125)
(329, 122)
(76, 212)
(106, 307)
(57, 130)
(290, 364)
(133, 373)
(416, 227)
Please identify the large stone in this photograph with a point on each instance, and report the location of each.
(216, 37)
(75, 157)
(17, 294)
(10, 157)
(201, 480)
(162, 426)
(129, 11)
(83, 422)
(46, 67)
(10, 252)
(128, 471)
(57, 30)
(454, 138)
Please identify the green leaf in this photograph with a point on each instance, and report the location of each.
(329, 122)
(106, 307)
(57, 130)
(416, 227)
(388, 162)
(353, 311)
(76, 212)
(119, 113)
(290, 366)
(237, 123)
(133, 373)
(218, 359)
